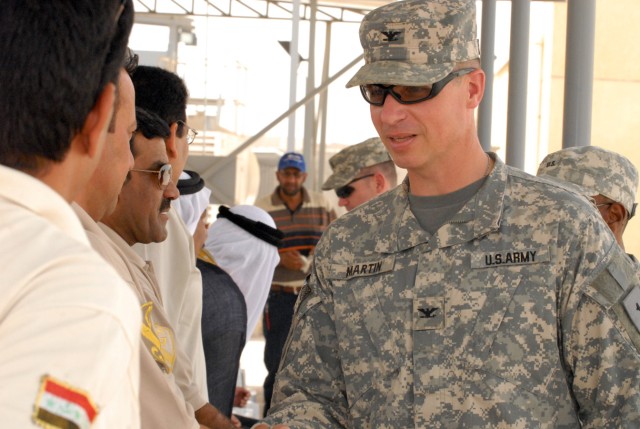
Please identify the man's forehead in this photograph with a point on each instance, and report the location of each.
(290, 170)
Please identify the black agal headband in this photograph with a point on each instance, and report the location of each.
(260, 230)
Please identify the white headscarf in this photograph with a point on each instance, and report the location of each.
(249, 260)
(191, 206)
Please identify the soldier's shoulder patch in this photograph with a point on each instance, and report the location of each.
(632, 305)
(617, 289)
(61, 406)
(610, 285)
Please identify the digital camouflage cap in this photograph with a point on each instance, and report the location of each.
(594, 171)
(416, 42)
(350, 160)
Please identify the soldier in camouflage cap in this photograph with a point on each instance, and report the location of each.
(352, 165)
(610, 179)
(473, 295)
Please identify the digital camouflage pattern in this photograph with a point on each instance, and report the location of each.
(593, 170)
(520, 312)
(416, 42)
(349, 161)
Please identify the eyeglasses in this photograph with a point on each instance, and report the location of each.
(596, 205)
(346, 190)
(630, 214)
(376, 93)
(191, 133)
(164, 175)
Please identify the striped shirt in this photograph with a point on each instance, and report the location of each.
(302, 228)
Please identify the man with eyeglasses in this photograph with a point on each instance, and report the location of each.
(361, 172)
(165, 94)
(161, 402)
(473, 295)
(302, 215)
(141, 216)
(608, 179)
(69, 326)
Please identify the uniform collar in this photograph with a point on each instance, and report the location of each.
(479, 216)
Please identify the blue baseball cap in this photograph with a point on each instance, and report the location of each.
(292, 160)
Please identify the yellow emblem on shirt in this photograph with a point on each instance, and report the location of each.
(160, 340)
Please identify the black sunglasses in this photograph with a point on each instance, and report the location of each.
(376, 93)
(346, 190)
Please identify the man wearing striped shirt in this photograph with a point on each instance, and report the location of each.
(303, 216)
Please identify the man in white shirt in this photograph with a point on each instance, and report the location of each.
(140, 216)
(165, 94)
(69, 327)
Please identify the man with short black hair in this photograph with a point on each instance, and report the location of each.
(165, 94)
(302, 215)
(69, 326)
(361, 172)
(141, 216)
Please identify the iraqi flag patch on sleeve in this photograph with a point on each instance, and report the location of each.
(61, 406)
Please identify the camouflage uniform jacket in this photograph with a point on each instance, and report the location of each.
(517, 313)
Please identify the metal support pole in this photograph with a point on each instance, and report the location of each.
(324, 97)
(309, 141)
(487, 58)
(293, 72)
(578, 85)
(518, 77)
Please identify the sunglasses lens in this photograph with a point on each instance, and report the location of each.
(374, 94)
(344, 192)
(412, 94)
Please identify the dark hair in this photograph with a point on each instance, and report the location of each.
(161, 92)
(57, 56)
(150, 126)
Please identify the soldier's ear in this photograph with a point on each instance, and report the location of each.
(380, 181)
(476, 84)
(616, 213)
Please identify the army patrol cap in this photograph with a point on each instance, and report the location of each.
(594, 171)
(416, 42)
(348, 162)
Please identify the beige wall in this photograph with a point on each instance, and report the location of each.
(616, 87)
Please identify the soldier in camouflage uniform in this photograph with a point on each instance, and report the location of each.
(608, 178)
(473, 295)
(360, 172)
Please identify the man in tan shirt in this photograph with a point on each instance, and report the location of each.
(164, 367)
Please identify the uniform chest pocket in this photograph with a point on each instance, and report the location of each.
(515, 333)
(367, 311)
